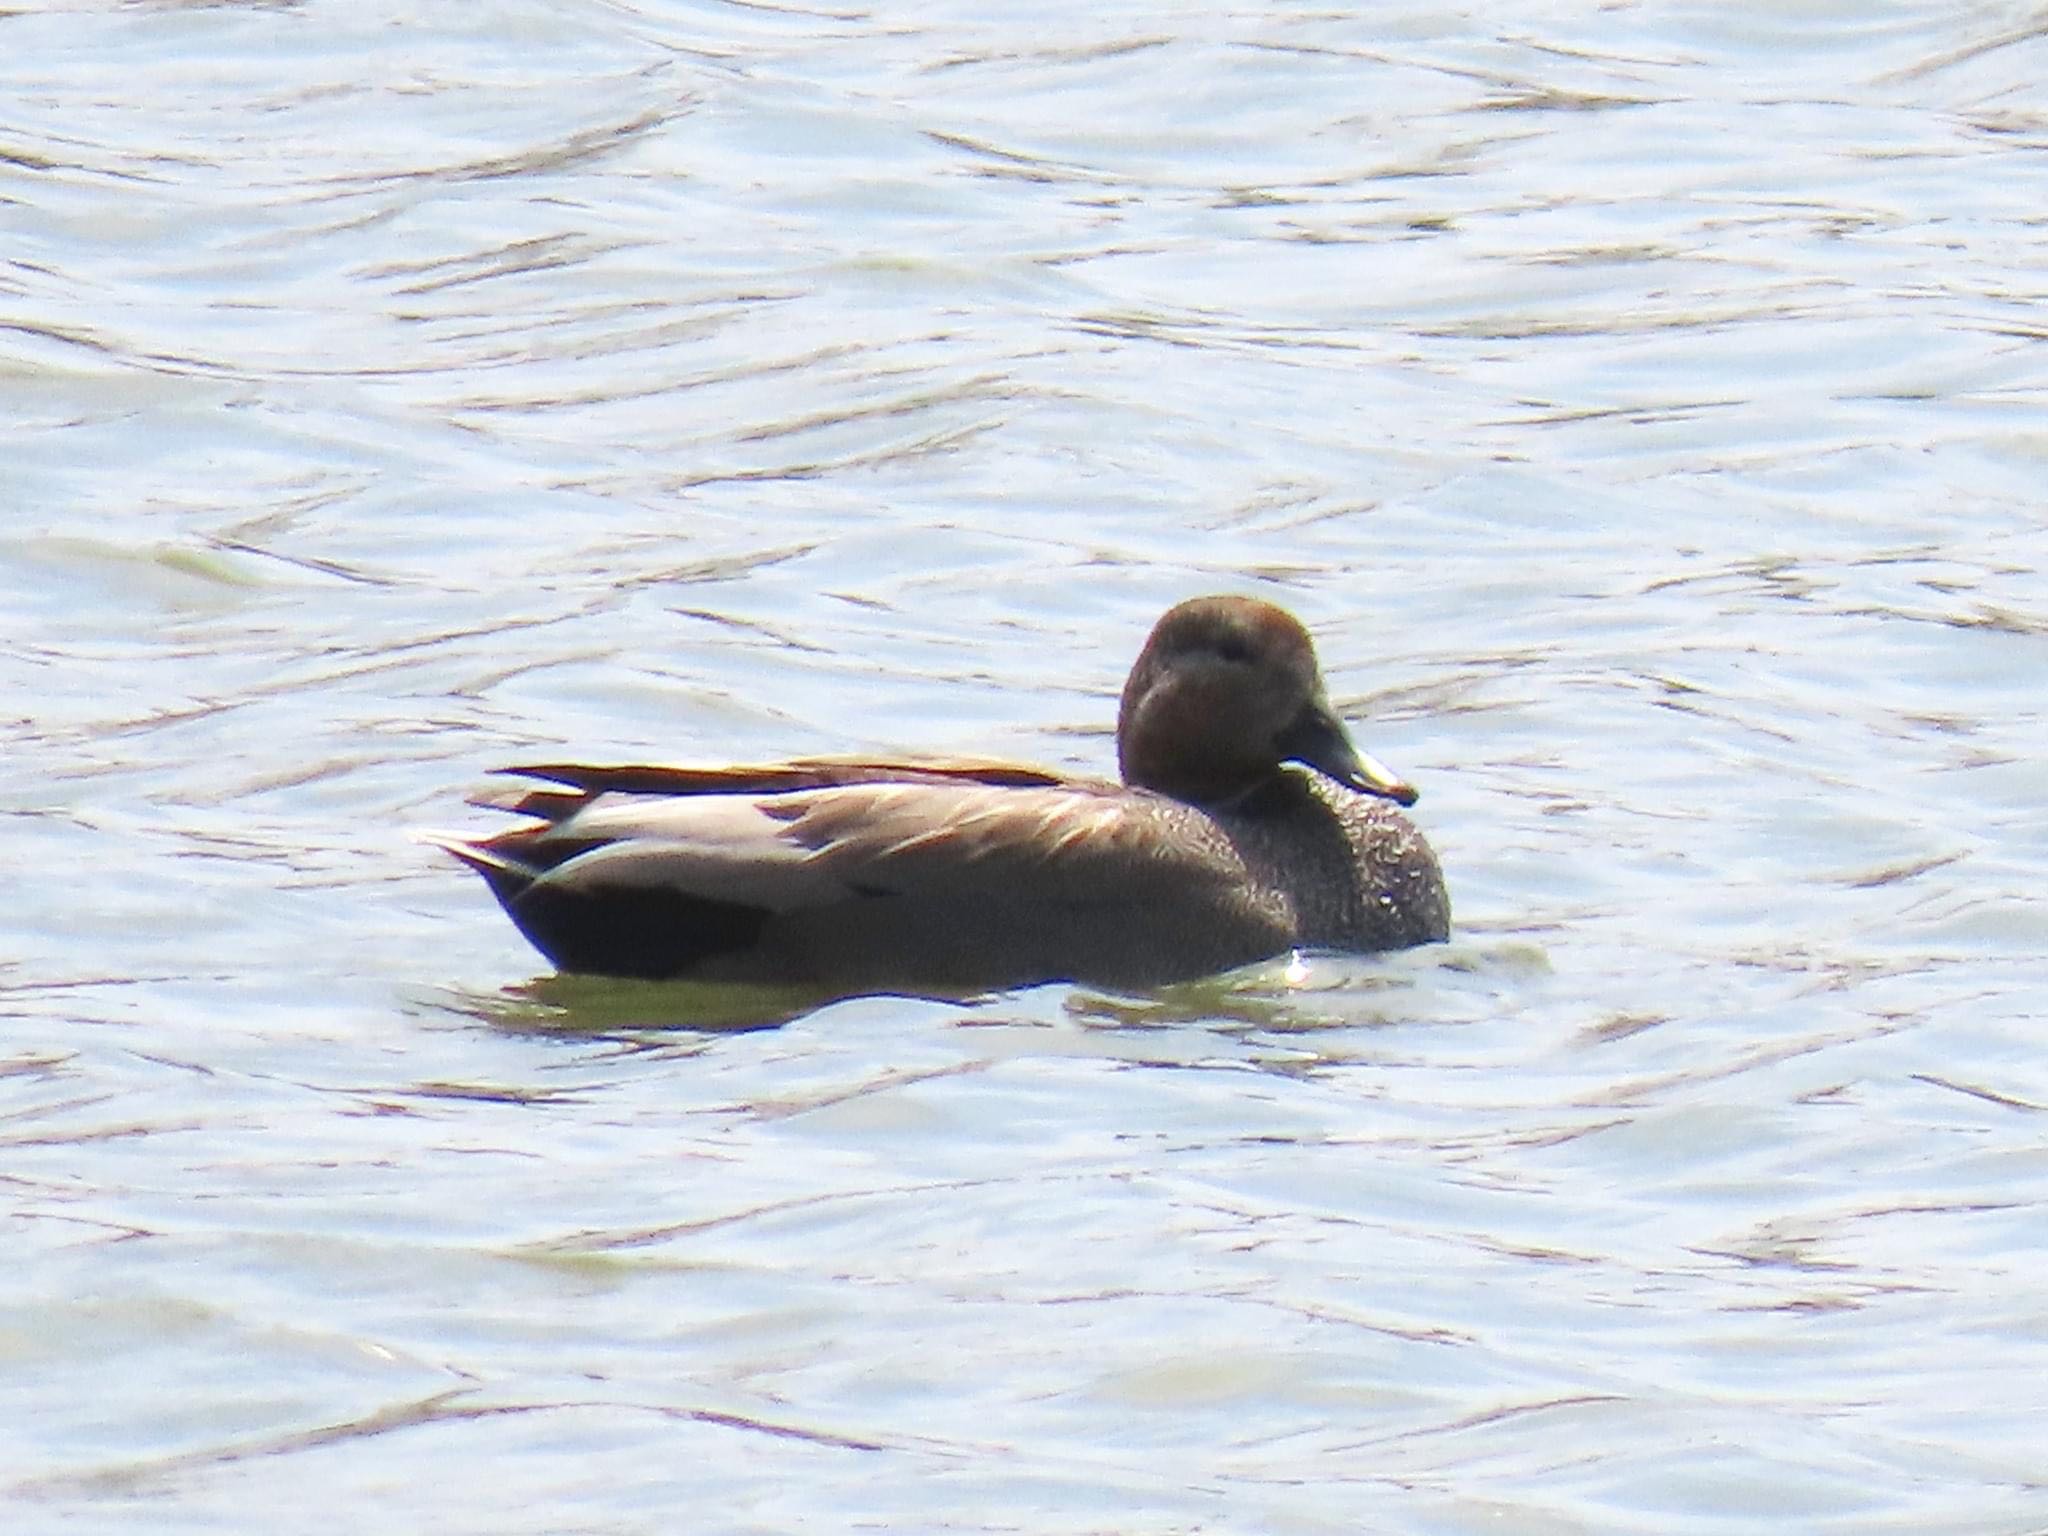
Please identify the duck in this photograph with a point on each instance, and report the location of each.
(1245, 825)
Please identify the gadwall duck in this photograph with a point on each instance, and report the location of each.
(856, 875)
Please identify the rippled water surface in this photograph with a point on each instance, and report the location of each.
(1642, 403)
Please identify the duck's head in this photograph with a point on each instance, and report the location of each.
(1225, 691)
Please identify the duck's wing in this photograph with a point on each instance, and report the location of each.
(944, 881)
(576, 784)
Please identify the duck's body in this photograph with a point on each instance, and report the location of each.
(860, 876)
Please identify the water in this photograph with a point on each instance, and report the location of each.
(1643, 405)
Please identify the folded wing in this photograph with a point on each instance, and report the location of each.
(944, 875)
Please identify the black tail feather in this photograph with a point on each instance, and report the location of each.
(643, 931)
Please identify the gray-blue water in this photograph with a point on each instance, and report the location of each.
(1644, 405)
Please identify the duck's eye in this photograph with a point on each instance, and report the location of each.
(1234, 648)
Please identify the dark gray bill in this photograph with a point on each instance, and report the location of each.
(1318, 738)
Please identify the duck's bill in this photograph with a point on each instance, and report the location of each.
(1318, 738)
